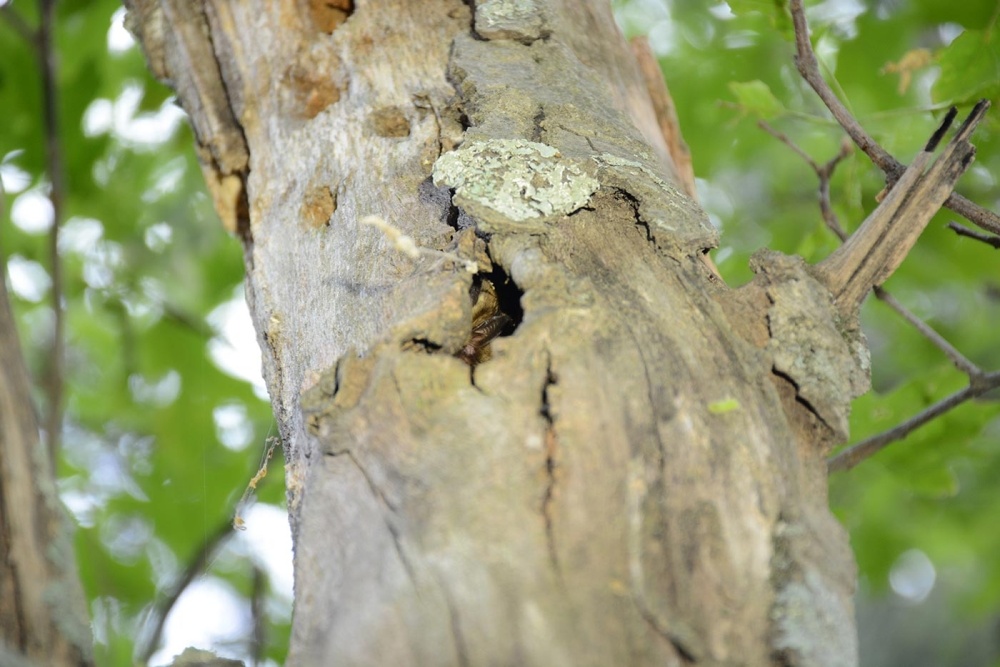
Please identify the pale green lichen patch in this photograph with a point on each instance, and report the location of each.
(509, 19)
(514, 182)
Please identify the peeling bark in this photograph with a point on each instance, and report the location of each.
(575, 499)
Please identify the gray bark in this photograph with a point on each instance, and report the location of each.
(637, 475)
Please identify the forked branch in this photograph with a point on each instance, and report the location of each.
(808, 66)
(871, 255)
(825, 173)
(980, 382)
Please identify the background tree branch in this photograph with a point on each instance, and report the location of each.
(893, 169)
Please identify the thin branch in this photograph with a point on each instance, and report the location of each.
(783, 138)
(855, 454)
(258, 639)
(194, 568)
(57, 195)
(19, 25)
(808, 66)
(824, 173)
(988, 239)
(957, 358)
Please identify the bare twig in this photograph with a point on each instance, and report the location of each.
(855, 454)
(805, 60)
(988, 239)
(258, 640)
(57, 194)
(824, 173)
(961, 362)
(198, 564)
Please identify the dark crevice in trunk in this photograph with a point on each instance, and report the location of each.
(496, 313)
(551, 452)
(799, 399)
(509, 297)
(422, 344)
(242, 207)
(538, 131)
(633, 203)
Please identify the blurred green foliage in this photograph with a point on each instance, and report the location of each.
(159, 441)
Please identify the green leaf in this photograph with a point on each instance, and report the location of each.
(970, 69)
(756, 98)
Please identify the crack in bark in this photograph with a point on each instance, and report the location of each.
(633, 203)
(537, 130)
(451, 217)
(661, 448)
(682, 639)
(377, 492)
(242, 208)
(424, 101)
(801, 399)
(684, 651)
(551, 448)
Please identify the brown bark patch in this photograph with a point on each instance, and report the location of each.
(314, 91)
(318, 205)
(390, 122)
(326, 15)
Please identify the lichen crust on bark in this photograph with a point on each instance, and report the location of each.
(520, 20)
(822, 353)
(514, 183)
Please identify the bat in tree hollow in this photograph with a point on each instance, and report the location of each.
(488, 322)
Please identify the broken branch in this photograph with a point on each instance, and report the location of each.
(979, 381)
(884, 239)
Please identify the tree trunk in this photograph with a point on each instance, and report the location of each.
(637, 474)
(43, 616)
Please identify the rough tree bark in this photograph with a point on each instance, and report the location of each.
(637, 475)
